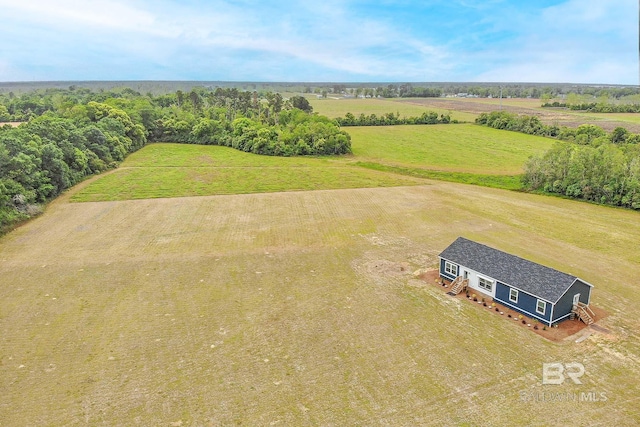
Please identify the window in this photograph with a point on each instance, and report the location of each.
(450, 268)
(541, 307)
(485, 284)
(513, 295)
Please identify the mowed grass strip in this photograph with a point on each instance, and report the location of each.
(187, 155)
(157, 182)
(465, 148)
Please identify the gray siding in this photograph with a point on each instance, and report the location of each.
(565, 304)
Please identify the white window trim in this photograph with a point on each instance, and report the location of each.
(486, 279)
(450, 268)
(517, 293)
(544, 306)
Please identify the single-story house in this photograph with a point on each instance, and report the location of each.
(534, 290)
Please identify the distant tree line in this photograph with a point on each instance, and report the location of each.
(482, 90)
(589, 163)
(525, 124)
(68, 135)
(596, 107)
(406, 90)
(583, 134)
(388, 119)
(545, 91)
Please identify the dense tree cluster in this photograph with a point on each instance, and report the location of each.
(525, 124)
(68, 135)
(426, 118)
(608, 173)
(590, 164)
(244, 121)
(50, 153)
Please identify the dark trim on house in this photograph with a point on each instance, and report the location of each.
(533, 282)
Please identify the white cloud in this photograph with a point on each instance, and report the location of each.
(330, 39)
(576, 41)
(593, 16)
(328, 36)
(97, 15)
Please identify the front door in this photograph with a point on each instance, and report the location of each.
(576, 299)
(465, 274)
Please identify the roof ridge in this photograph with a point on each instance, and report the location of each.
(541, 281)
(518, 257)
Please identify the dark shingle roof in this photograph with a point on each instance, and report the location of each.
(535, 279)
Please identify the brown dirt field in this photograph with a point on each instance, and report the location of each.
(560, 117)
(302, 309)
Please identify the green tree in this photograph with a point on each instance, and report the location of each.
(619, 135)
(4, 114)
(301, 103)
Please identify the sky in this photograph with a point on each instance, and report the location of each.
(546, 41)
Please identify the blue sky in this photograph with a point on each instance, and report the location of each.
(578, 41)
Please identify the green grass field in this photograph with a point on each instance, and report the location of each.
(161, 170)
(456, 148)
(154, 182)
(383, 157)
(194, 156)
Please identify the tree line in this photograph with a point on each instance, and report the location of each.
(68, 135)
(587, 163)
(583, 134)
(389, 119)
(405, 90)
(50, 153)
(607, 174)
(596, 107)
